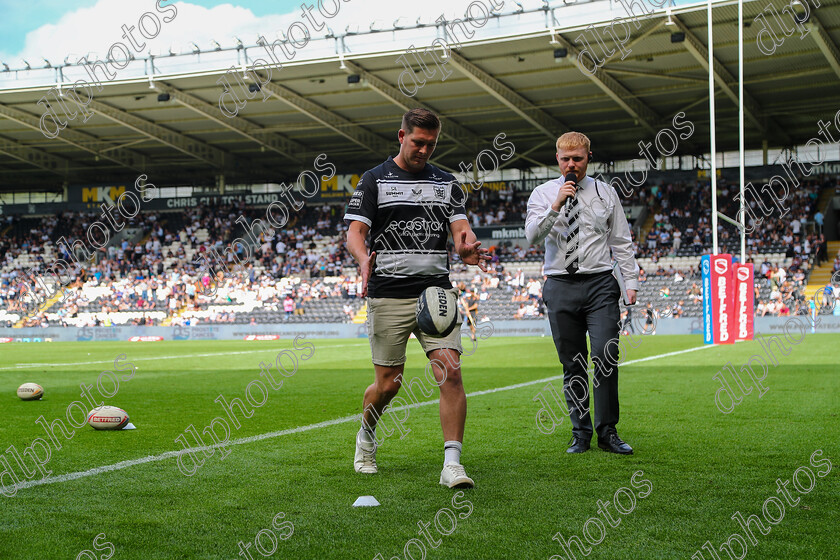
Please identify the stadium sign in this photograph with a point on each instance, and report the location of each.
(508, 233)
(523, 327)
(339, 187)
(496, 186)
(744, 301)
(195, 332)
(216, 200)
(102, 194)
(826, 168)
(718, 279)
(500, 233)
(86, 197)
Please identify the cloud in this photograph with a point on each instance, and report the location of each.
(94, 29)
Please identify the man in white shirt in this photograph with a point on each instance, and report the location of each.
(581, 222)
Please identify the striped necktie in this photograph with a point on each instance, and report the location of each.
(572, 261)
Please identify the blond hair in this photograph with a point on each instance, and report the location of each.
(572, 140)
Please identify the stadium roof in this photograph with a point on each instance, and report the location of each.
(509, 78)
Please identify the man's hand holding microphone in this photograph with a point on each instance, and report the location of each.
(566, 193)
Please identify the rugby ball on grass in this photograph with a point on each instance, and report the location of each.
(30, 392)
(107, 418)
(437, 311)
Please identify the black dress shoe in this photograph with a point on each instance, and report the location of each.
(612, 443)
(578, 445)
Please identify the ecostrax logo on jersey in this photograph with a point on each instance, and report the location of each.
(418, 228)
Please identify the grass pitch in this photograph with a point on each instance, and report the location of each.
(702, 465)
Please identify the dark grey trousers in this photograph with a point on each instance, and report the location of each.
(576, 305)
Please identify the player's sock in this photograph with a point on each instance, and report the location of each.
(367, 435)
(451, 452)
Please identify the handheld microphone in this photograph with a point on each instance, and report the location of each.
(570, 176)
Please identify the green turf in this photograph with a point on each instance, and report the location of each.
(703, 465)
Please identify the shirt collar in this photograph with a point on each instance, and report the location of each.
(581, 182)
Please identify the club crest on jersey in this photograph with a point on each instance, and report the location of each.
(440, 191)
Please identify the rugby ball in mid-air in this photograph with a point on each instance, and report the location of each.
(107, 418)
(30, 392)
(437, 311)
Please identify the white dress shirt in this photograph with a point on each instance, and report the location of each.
(602, 228)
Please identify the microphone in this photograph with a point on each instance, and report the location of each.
(570, 176)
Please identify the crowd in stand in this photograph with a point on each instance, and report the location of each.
(786, 290)
(482, 213)
(154, 277)
(134, 276)
(682, 220)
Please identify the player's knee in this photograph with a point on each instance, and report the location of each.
(453, 378)
(388, 380)
(388, 388)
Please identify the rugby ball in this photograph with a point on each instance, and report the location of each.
(30, 392)
(107, 418)
(437, 311)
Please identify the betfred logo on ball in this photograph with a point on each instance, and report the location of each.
(107, 418)
(718, 279)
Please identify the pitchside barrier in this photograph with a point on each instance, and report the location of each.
(533, 328)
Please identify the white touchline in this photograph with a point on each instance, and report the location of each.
(171, 454)
(40, 364)
(46, 364)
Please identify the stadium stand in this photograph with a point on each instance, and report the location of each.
(151, 274)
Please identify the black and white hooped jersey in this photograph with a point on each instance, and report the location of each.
(409, 216)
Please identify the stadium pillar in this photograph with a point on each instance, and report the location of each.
(741, 129)
(764, 152)
(220, 183)
(713, 150)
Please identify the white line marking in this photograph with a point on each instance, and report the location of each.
(171, 454)
(620, 363)
(35, 365)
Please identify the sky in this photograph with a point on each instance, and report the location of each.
(59, 29)
(20, 18)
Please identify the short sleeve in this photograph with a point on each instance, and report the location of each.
(363, 203)
(457, 202)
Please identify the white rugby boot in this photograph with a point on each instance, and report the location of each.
(365, 460)
(453, 475)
